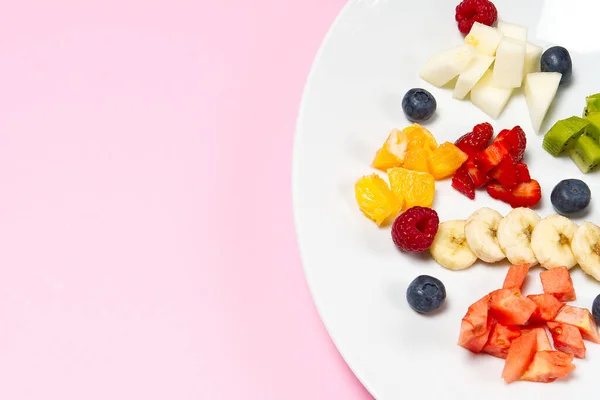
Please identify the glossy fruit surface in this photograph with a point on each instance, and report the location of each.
(425, 294)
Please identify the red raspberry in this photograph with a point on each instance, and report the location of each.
(477, 140)
(471, 11)
(415, 229)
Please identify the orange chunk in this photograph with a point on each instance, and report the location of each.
(393, 151)
(567, 339)
(519, 357)
(475, 326)
(412, 188)
(548, 366)
(558, 283)
(500, 339)
(419, 137)
(416, 159)
(580, 318)
(376, 200)
(445, 160)
(510, 307)
(516, 276)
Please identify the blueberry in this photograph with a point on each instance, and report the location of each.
(418, 105)
(425, 294)
(570, 196)
(557, 59)
(596, 309)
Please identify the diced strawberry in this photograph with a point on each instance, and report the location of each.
(478, 139)
(506, 172)
(469, 150)
(548, 307)
(499, 192)
(479, 178)
(526, 194)
(522, 173)
(517, 139)
(492, 155)
(462, 182)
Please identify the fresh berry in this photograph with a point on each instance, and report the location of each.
(415, 229)
(478, 139)
(557, 59)
(479, 178)
(517, 140)
(492, 155)
(462, 182)
(425, 294)
(471, 11)
(526, 194)
(570, 196)
(506, 172)
(469, 150)
(499, 192)
(418, 105)
(523, 173)
(596, 309)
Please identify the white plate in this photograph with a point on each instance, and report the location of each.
(369, 59)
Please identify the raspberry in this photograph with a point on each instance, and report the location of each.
(471, 11)
(477, 140)
(415, 229)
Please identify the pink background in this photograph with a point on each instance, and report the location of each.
(135, 138)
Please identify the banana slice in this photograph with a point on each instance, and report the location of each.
(551, 242)
(480, 230)
(450, 248)
(514, 235)
(586, 248)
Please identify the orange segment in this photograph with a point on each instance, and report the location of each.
(416, 159)
(375, 199)
(419, 137)
(445, 160)
(412, 187)
(393, 152)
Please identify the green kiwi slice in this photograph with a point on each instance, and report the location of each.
(560, 136)
(585, 153)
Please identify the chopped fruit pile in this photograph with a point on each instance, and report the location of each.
(522, 237)
(413, 162)
(506, 324)
(493, 62)
(578, 137)
(498, 166)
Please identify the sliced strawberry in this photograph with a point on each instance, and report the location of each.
(462, 182)
(506, 172)
(479, 178)
(469, 150)
(526, 194)
(517, 139)
(499, 192)
(478, 139)
(522, 173)
(492, 155)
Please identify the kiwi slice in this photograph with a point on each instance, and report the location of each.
(592, 104)
(560, 136)
(585, 153)
(593, 129)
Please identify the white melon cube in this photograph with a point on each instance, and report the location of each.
(441, 68)
(510, 64)
(513, 31)
(485, 38)
(488, 98)
(477, 67)
(540, 89)
(533, 54)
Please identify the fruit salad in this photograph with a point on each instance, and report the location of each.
(494, 59)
